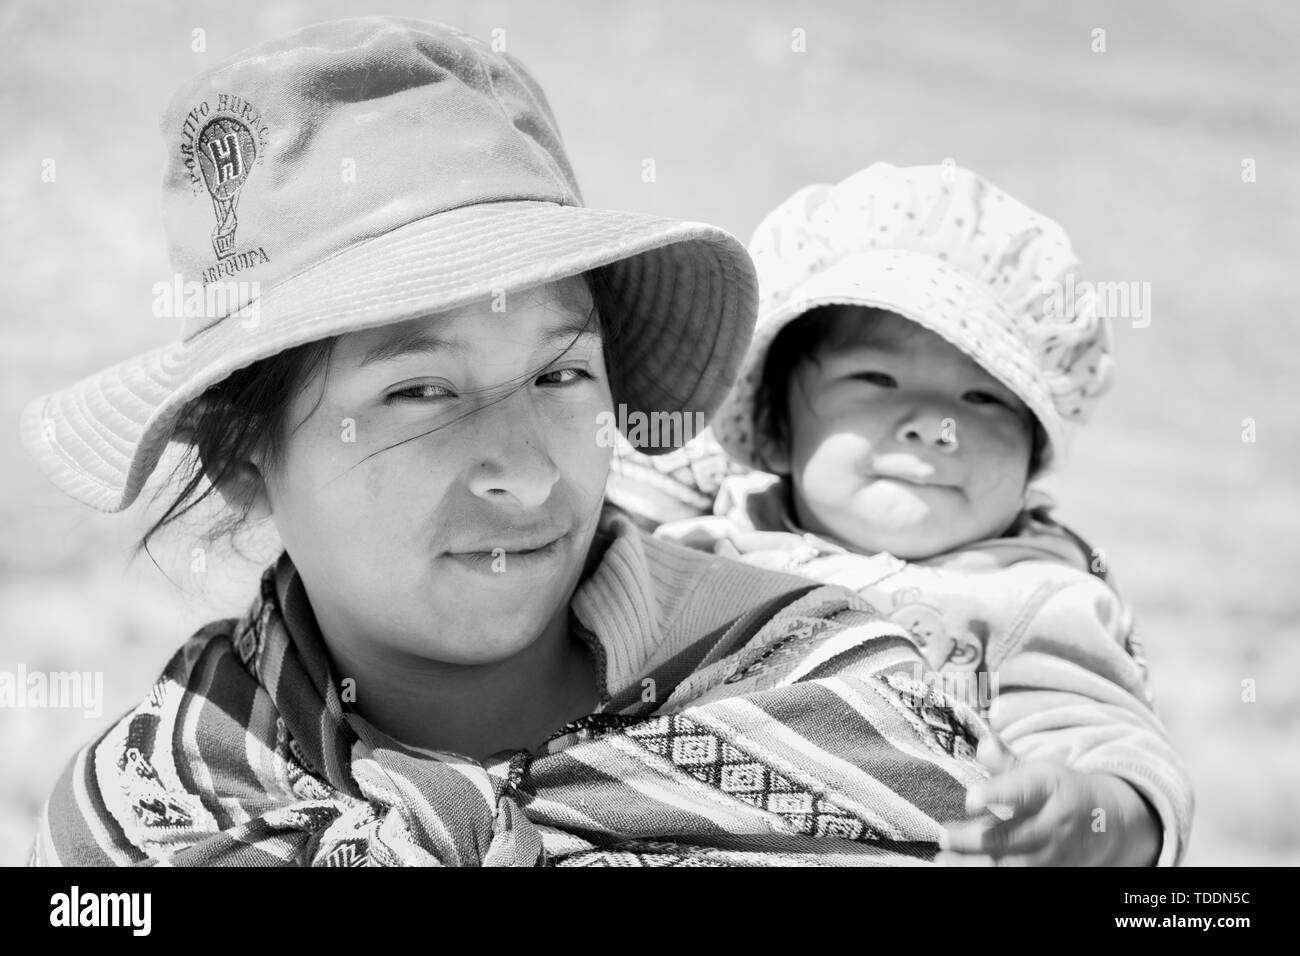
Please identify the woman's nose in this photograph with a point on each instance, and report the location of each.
(931, 429)
(511, 462)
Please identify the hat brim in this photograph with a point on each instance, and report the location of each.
(683, 292)
(917, 286)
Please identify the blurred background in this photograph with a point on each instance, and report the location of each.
(1138, 151)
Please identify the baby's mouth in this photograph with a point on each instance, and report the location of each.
(908, 468)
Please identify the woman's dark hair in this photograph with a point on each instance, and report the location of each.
(803, 340)
(244, 417)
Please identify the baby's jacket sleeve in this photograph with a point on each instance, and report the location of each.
(1070, 688)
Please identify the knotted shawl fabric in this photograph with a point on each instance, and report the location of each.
(798, 729)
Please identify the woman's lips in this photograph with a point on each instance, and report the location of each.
(510, 556)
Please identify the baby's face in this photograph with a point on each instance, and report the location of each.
(900, 442)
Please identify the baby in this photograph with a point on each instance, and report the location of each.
(914, 369)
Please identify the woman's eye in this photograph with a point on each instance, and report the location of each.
(876, 378)
(979, 397)
(563, 376)
(425, 392)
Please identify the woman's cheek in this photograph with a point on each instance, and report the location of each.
(352, 461)
(580, 446)
(376, 482)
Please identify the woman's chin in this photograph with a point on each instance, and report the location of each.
(491, 644)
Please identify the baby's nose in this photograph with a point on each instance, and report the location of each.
(939, 432)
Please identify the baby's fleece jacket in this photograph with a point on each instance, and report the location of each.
(1026, 627)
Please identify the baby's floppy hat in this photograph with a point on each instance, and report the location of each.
(952, 252)
(368, 171)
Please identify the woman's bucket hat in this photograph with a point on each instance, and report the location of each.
(368, 171)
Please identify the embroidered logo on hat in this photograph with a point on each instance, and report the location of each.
(220, 146)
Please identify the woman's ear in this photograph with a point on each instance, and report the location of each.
(243, 489)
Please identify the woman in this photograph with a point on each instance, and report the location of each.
(461, 657)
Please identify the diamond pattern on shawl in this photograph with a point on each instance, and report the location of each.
(719, 764)
(936, 711)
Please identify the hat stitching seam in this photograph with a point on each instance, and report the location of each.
(532, 144)
(89, 436)
(727, 271)
(72, 414)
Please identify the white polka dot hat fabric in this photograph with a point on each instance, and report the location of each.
(950, 251)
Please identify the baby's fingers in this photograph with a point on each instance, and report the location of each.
(994, 754)
(998, 839)
(1016, 793)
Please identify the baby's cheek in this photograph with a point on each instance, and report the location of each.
(828, 483)
(999, 455)
(836, 450)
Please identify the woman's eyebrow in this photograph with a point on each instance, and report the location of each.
(575, 331)
(423, 341)
(415, 341)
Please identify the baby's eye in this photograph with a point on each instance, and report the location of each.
(980, 397)
(423, 392)
(876, 378)
(564, 376)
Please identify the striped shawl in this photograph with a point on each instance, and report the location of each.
(748, 718)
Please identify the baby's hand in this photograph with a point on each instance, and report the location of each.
(1040, 813)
